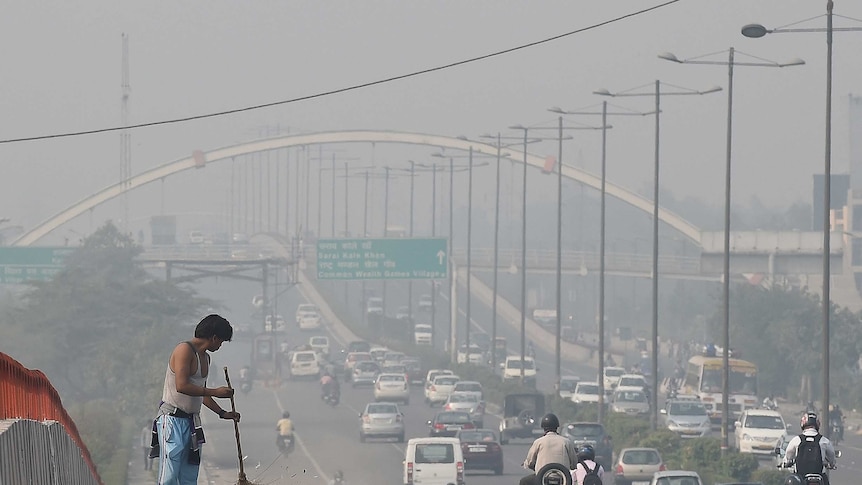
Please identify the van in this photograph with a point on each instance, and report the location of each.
(433, 461)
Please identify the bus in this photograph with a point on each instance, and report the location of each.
(703, 378)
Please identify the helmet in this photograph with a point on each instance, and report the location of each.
(793, 479)
(586, 452)
(810, 420)
(285, 415)
(550, 422)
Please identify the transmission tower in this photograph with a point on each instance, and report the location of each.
(125, 136)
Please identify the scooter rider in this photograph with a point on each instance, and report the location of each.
(769, 403)
(328, 385)
(836, 416)
(284, 426)
(810, 424)
(550, 448)
(586, 456)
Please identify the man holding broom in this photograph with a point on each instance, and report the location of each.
(178, 425)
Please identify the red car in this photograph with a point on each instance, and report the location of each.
(448, 423)
(481, 450)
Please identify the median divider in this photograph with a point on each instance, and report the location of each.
(337, 328)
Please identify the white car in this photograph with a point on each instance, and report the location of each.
(475, 356)
(392, 357)
(392, 387)
(688, 418)
(470, 387)
(377, 353)
(319, 344)
(433, 461)
(440, 389)
(632, 380)
(305, 308)
(512, 368)
(403, 313)
(630, 400)
(586, 392)
(426, 303)
(758, 430)
(304, 363)
(309, 321)
(612, 376)
(432, 373)
(374, 306)
(422, 334)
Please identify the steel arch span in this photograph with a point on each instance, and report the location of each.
(356, 136)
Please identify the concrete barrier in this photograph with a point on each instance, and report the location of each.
(540, 337)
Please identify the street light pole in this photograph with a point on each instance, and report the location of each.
(385, 226)
(410, 282)
(434, 234)
(730, 63)
(469, 251)
(558, 348)
(523, 253)
(496, 259)
(453, 277)
(657, 93)
(332, 206)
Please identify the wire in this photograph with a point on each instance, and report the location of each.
(344, 89)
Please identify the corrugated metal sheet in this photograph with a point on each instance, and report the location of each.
(39, 443)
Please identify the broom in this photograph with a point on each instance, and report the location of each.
(242, 480)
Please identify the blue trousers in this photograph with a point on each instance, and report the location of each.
(175, 436)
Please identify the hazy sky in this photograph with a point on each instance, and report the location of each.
(61, 72)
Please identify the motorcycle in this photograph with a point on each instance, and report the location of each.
(836, 430)
(245, 386)
(808, 478)
(332, 397)
(285, 444)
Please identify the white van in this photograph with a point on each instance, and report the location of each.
(433, 461)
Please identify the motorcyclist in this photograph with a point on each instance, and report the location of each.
(337, 479)
(245, 373)
(285, 428)
(769, 403)
(550, 448)
(837, 416)
(587, 456)
(810, 424)
(329, 385)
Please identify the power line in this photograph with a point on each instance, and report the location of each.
(344, 89)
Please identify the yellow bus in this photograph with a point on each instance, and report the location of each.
(703, 378)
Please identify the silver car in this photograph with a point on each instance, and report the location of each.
(365, 373)
(688, 418)
(630, 401)
(381, 420)
(468, 402)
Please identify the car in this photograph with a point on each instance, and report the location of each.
(481, 450)
(433, 461)
(422, 334)
(274, 323)
(637, 465)
(432, 373)
(426, 303)
(303, 308)
(471, 387)
(632, 380)
(304, 363)
(358, 346)
(403, 313)
(630, 400)
(512, 369)
(395, 369)
(590, 433)
(522, 416)
(781, 449)
(196, 237)
(309, 320)
(377, 353)
(364, 373)
(391, 357)
(482, 340)
(676, 477)
(612, 376)
(374, 306)
(440, 389)
(381, 420)
(467, 402)
(688, 418)
(319, 344)
(567, 386)
(758, 430)
(448, 423)
(391, 387)
(475, 355)
(415, 375)
(586, 392)
(354, 358)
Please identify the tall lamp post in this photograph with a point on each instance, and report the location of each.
(756, 31)
(657, 94)
(602, 218)
(730, 63)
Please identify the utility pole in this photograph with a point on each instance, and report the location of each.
(125, 136)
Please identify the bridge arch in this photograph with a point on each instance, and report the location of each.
(688, 229)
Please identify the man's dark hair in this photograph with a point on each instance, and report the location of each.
(214, 326)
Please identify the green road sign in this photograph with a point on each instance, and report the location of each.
(22, 264)
(382, 259)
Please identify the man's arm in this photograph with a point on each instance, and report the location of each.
(790, 453)
(224, 414)
(530, 462)
(573, 455)
(830, 451)
(181, 363)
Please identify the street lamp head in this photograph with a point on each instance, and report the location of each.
(713, 89)
(754, 31)
(517, 127)
(462, 137)
(557, 109)
(602, 92)
(669, 57)
(792, 62)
